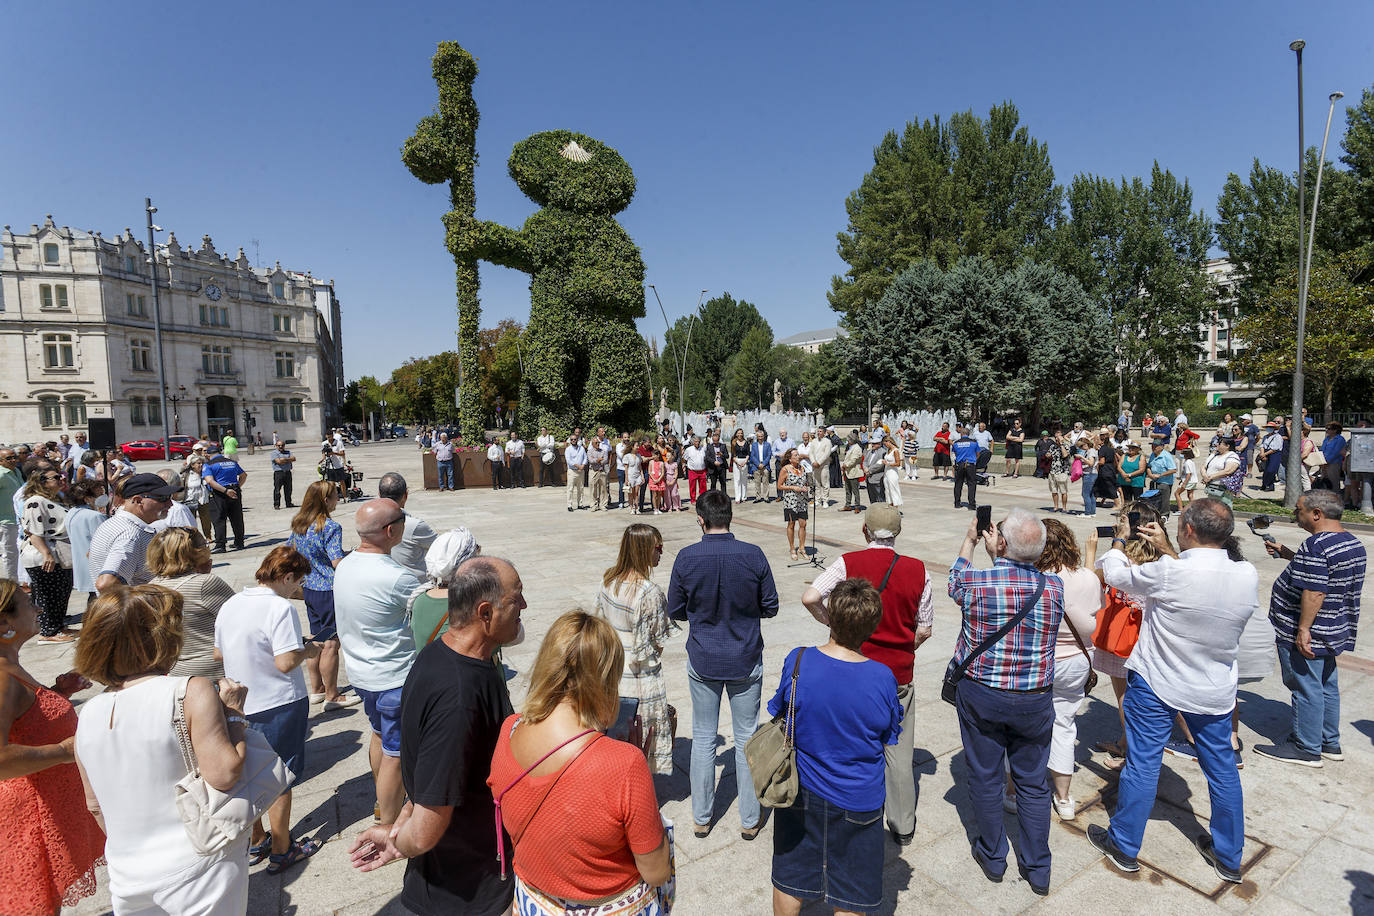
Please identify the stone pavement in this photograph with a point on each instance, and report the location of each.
(1310, 833)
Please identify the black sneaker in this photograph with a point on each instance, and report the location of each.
(1099, 838)
(1204, 846)
(1040, 890)
(1288, 753)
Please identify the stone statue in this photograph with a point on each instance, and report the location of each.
(717, 400)
(663, 402)
(777, 397)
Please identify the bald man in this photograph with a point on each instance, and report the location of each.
(370, 594)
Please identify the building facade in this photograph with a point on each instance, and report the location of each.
(1218, 342)
(77, 340)
(812, 341)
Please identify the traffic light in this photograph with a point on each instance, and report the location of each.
(247, 419)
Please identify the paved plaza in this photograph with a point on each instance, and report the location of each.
(1309, 833)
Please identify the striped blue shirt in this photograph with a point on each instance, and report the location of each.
(1330, 562)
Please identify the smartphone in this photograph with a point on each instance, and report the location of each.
(1134, 518)
(984, 518)
(1106, 531)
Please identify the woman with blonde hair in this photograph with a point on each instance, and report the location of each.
(580, 810)
(638, 610)
(131, 759)
(179, 559)
(319, 539)
(892, 487)
(49, 843)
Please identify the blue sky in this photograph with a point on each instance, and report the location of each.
(747, 124)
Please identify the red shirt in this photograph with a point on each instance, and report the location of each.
(577, 830)
(942, 442)
(1186, 439)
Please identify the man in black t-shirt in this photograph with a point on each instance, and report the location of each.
(453, 705)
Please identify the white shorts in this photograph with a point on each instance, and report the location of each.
(213, 887)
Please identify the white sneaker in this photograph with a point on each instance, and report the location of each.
(1066, 808)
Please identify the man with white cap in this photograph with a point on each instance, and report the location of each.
(908, 614)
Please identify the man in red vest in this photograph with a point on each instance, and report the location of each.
(908, 613)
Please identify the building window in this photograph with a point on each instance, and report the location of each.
(130, 264)
(279, 290)
(204, 313)
(214, 315)
(228, 366)
(49, 411)
(1221, 377)
(215, 360)
(279, 410)
(154, 412)
(281, 324)
(1222, 335)
(62, 301)
(50, 253)
(142, 352)
(136, 411)
(297, 409)
(136, 305)
(286, 364)
(45, 295)
(76, 410)
(58, 351)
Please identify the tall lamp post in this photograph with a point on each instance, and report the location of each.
(1293, 486)
(157, 327)
(681, 363)
(176, 399)
(382, 421)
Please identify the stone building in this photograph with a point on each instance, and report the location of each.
(1218, 342)
(77, 340)
(812, 341)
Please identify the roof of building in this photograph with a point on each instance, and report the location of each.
(822, 335)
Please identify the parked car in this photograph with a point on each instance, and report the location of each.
(151, 449)
(182, 445)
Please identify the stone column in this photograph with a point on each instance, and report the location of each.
(1260, 415)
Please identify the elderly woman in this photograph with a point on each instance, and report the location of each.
(829, 843)
(88, 499)
(258, 637)
(131, 759)
(196, 496)
(429, 605)
(47, 551)
(49, 843)
(179, 559)
(892, 460)
(638, 610)
(794, 485)
(551, 756)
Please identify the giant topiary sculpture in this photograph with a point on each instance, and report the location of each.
(587, 278)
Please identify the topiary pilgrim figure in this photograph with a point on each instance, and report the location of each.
(584, 360)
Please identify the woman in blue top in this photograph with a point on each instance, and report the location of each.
(319, 539)
(829, 843)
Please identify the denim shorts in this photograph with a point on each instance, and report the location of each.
(383, 708)
(820, 850)
(319, 611)
(285, 727)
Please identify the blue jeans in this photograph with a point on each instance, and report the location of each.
(744, 694)
(1089, 500)
(1149, 724)
(445, 474)
(1316, 699)
(998, 726)
(620, 479)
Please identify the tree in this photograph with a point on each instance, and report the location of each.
(1339, 343)
(943, 191)
(829, 384)
(750, 371)
(500, 364)
(716, 335)
(1139, 251)
(1358, 144)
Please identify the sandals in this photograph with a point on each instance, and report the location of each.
(299, 852)
(259, 851)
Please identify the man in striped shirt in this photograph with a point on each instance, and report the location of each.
(1315, 609)
(1005, 704)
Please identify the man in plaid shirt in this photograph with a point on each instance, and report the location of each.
(1005, 703)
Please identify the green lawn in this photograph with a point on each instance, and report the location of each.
(1275, 508)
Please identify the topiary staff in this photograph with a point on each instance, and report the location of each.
(444, 148)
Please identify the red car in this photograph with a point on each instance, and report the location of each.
(151, 449)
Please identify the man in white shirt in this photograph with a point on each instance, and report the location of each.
(822, 451)
(1180, 418)
(695, 456)
(443, 458)
(780, 446)
(1077, 433)
(548, 446)
(515, 461)
(983, 436)
(575, 457)
(1197, 603)
(621, 447)
(496, 459)
(370, 594)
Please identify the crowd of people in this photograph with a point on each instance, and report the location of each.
(561, 794)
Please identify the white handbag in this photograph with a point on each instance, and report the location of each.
(214, 819)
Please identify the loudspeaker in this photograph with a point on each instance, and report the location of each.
(100, 433)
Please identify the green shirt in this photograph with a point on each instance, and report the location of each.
(9, 485)
(230, 445)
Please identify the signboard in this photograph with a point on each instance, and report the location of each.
(1361, 450)
(1216, 399)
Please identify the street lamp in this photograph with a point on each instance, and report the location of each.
(1293, 489)
(382, 422)
(680, 363)
(176, 399)
(157, 327)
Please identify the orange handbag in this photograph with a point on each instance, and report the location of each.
(1118, 625)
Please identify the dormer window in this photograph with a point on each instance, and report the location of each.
(50, 253)
(130, 264)
(279, 290)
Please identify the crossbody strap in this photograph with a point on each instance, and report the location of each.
(790, 724)
(883, 585)
(1002, 631)
(500, 825)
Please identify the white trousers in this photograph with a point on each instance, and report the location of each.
(215, 887)
(741, 481)
(9, 549)
(892, 487)
(1070, 676)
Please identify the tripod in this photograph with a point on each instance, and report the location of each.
(814, 558)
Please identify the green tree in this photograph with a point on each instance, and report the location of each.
(500, 361)
(943, 191)
(1358, 144)
(829, 384)
(750, 371)
(1339, 343)
(1138, 249)
(716, 335)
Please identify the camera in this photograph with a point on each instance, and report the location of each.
(1259, 525)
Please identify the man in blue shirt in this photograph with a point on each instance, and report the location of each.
(225, 479)
(965, 450)
(1161, 431)
(1333, 450)
(723, 588)
(1160, 470)
(760, 463)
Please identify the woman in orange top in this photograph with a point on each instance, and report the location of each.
(49, 843)
(579, 807)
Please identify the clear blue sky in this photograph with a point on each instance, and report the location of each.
(747, 124)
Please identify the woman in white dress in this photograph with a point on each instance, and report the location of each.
(638, 610)
(892, 461)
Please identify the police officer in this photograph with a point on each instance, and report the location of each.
(965, 450)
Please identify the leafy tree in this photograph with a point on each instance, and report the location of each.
(716, 335)
(1358, 144)
(500, 361)
(749, 373)
(789, 367)
(829, 383)
(1138, 249)
(943, 191)
(1339, 342)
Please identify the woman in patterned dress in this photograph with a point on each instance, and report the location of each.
(47, 552)
(638, 610)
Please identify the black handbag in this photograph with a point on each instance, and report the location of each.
(955, 673)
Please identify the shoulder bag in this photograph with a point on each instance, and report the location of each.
(500, 796)
(955, 672)
(214, 819)
(1091, 682)
(772, 753)
(1118, 625)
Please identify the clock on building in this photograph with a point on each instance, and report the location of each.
(213, 292)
